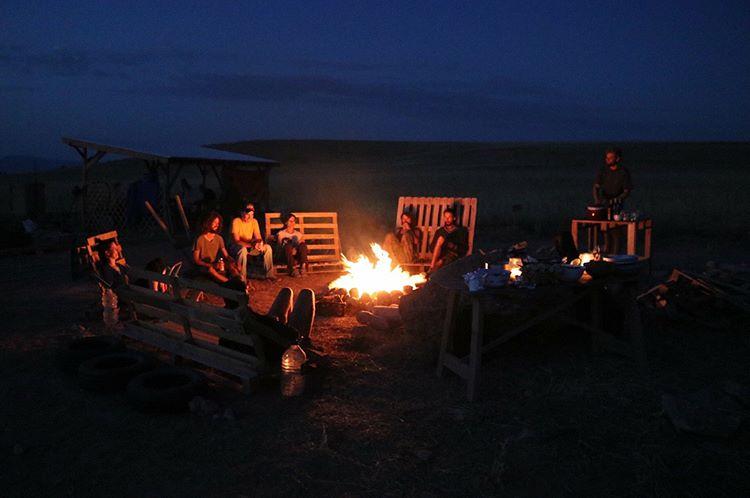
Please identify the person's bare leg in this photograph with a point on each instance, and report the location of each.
(282, 305)
(303, 314)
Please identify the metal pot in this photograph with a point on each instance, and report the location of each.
(596, 212)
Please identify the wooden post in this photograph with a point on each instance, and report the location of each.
(449, 325)
(574, 231)
(183, 217)
(475, 349)
(634, 329)
(631, 237)
(159, 221)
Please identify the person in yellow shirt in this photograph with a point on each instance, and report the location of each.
(247, 241)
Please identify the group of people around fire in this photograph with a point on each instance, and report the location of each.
(229, 264)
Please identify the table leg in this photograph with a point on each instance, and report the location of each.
(475, 349)
(449, 326)
(631, 238)
(596, 319)
(634, 329)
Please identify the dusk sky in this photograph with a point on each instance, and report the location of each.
(200, 72)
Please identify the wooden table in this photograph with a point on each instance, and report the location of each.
(554, 302)
(634, 228)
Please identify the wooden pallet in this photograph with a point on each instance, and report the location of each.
(428, 212)
(321, 231)
(192, 330)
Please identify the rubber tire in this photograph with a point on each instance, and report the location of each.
(112, 372)
(166, 389)
(76, 351)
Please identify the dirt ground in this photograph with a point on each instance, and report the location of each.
(552, 419)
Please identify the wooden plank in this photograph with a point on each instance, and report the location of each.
(175, 331)
(213, 359)
(151, 276)
(183, 216)
(98, 239)
(156, 312)
(209, 316)
(322, 257)
(457, 365)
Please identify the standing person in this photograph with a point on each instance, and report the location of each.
(451, 241)
(611, 187)
(403, 243)
(613, 183)
(247, 241)
(292, 241)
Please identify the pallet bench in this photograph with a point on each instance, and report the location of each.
(428, 213)
(321, 231)
(186, 329)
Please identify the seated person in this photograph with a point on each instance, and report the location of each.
(112, 266)
(292, 242)
(403, 243)
(247, 241)
(450, 243)
(209, 254)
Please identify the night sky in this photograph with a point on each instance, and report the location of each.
(201, 72)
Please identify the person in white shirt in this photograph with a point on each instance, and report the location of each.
(292, 241)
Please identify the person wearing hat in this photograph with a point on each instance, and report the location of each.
(292, 241)
(247, 241)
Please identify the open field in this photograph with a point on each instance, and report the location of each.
(688, 189)
(552, 419)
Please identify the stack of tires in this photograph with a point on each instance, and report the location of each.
(102, 364)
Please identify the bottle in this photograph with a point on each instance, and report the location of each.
(292, 380)
(110, 310)
(220, 265)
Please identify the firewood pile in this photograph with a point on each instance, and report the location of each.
(719, 293)
(340, 302)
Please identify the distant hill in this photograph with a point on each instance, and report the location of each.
(24, 164)
(401, 154)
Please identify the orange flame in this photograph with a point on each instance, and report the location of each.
(514, 267)
(372, 277)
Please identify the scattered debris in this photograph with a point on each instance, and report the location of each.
(696, 298)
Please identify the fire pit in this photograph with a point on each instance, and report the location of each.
(367, 283)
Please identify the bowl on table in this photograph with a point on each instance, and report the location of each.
(569, 273)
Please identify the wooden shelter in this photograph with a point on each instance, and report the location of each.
(241, 175)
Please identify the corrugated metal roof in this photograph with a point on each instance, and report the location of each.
(179, 154)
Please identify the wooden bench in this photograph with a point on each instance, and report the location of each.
(321, 231)
(428, 214)
(187, 329)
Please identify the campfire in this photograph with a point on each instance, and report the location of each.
(367, 284)
(369, 277)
